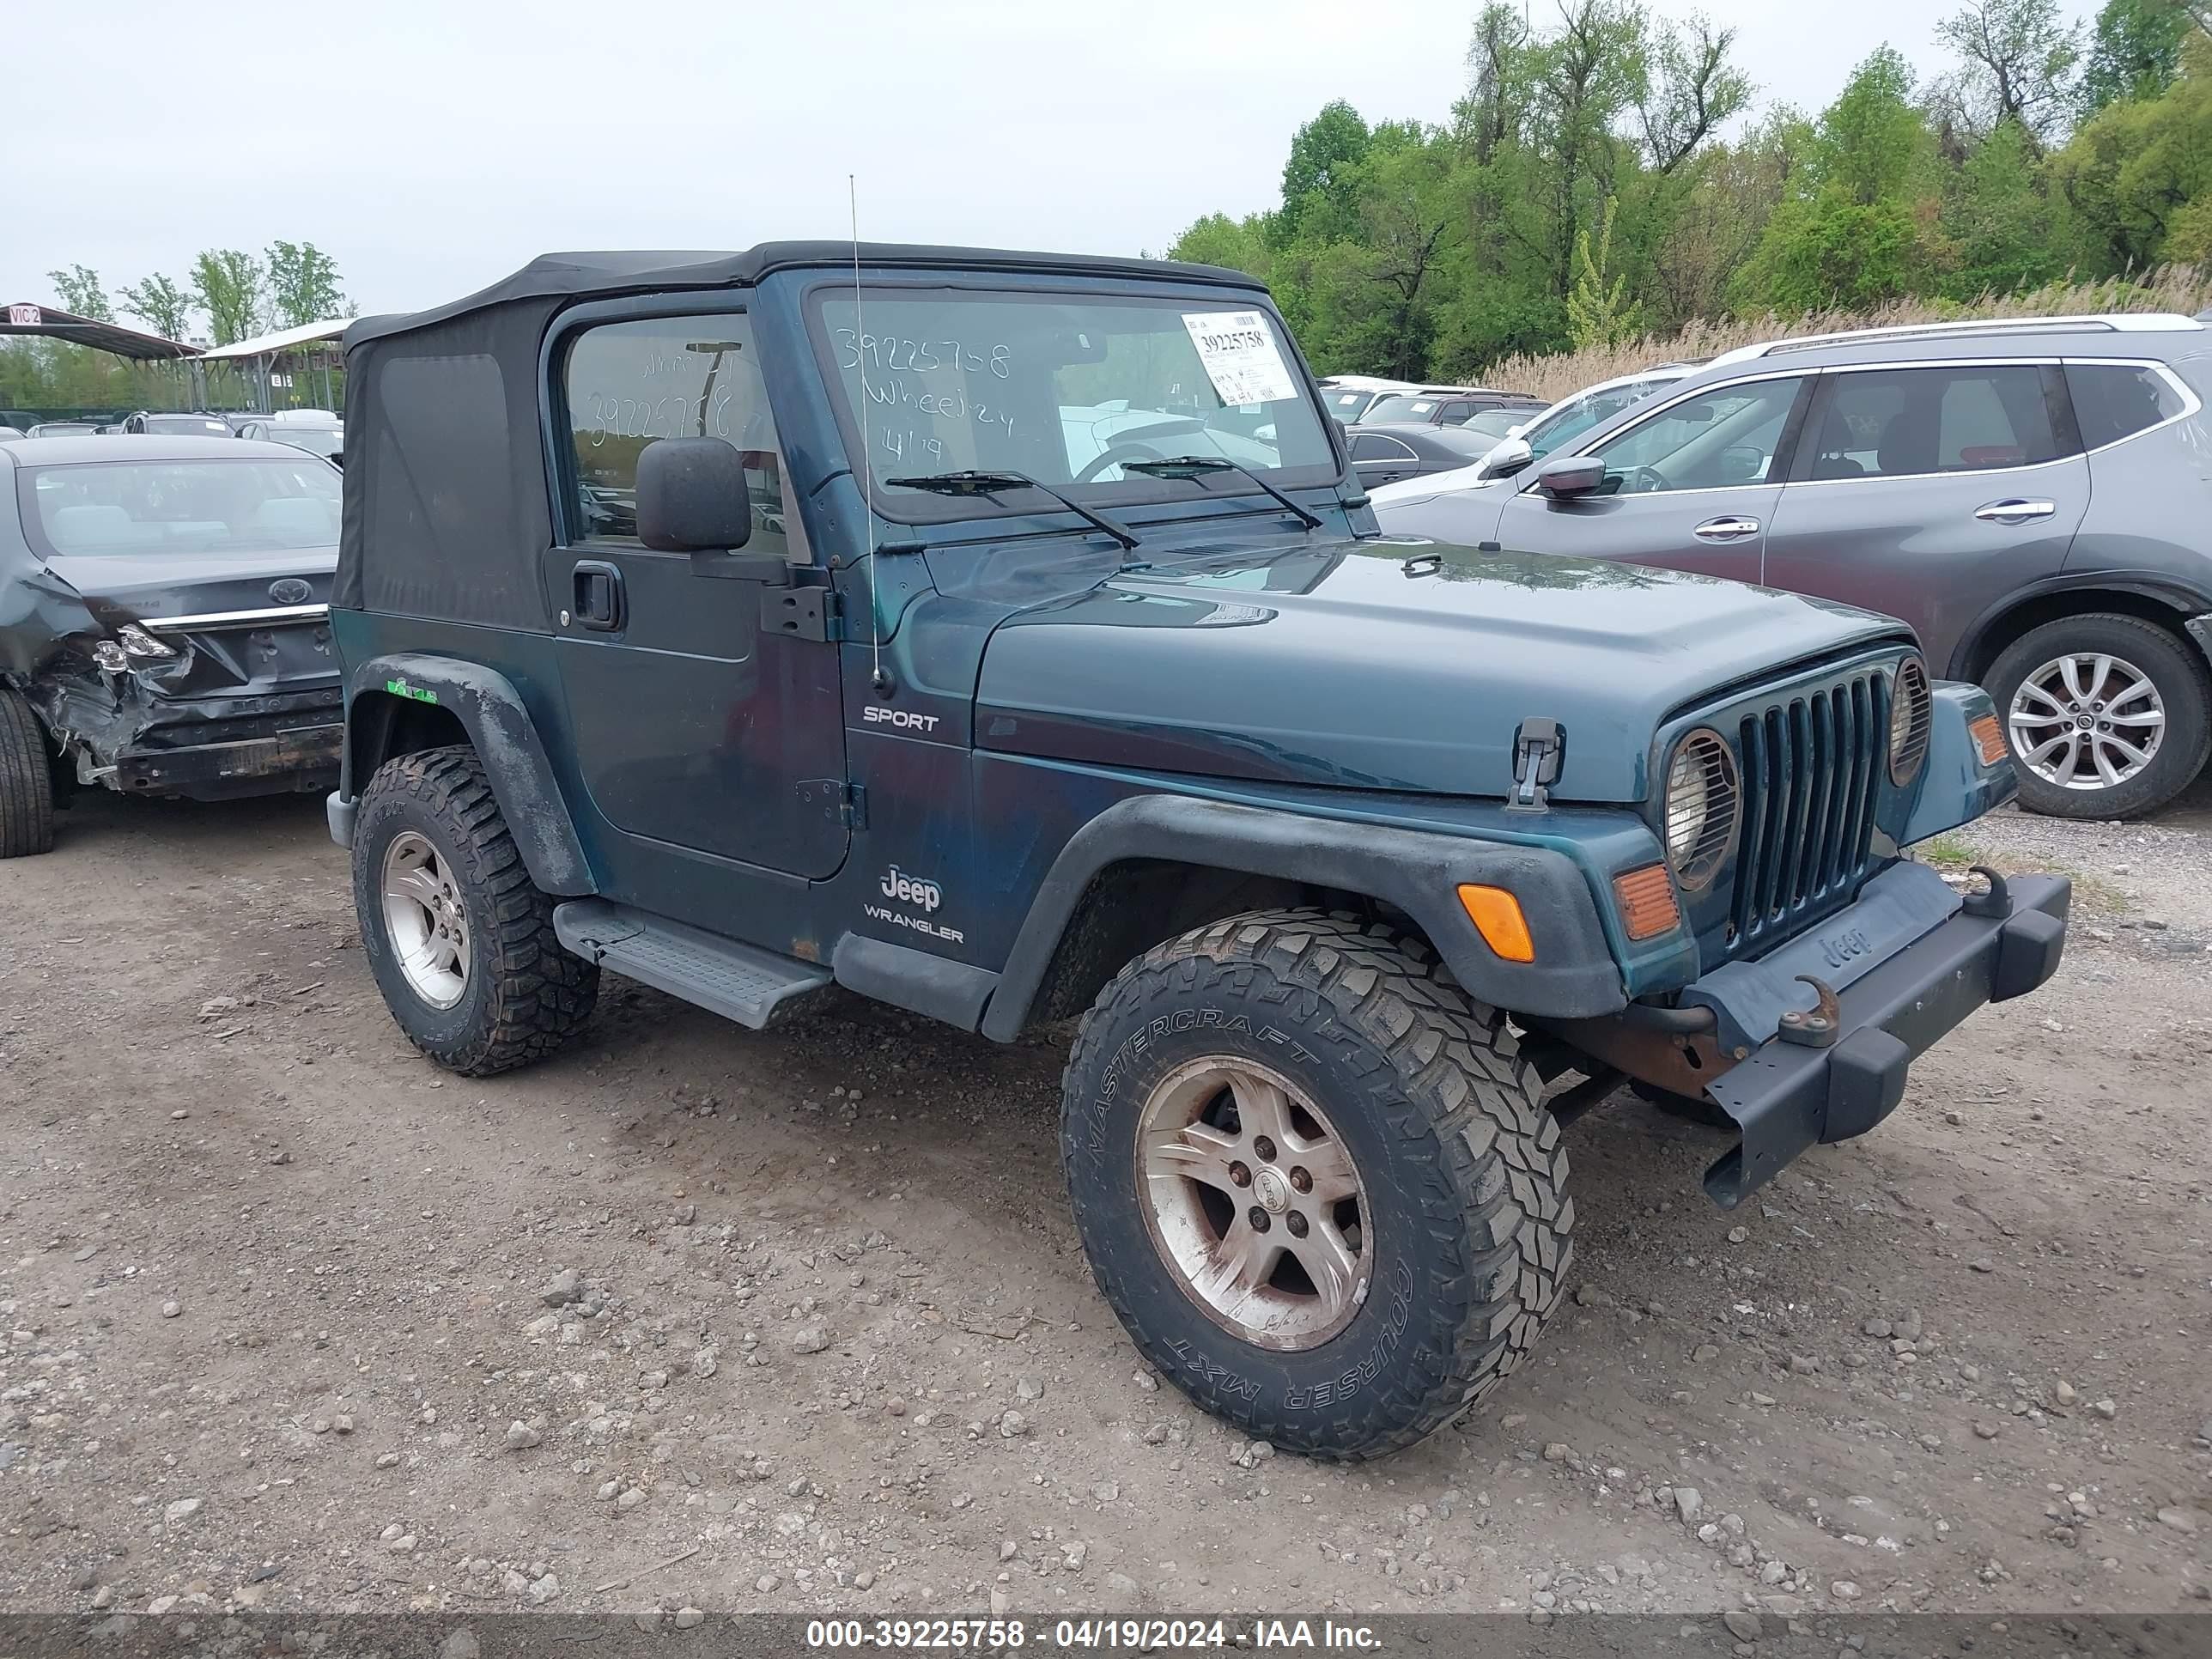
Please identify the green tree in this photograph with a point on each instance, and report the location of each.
(1321, 175)
(1599, 313)
(2135, 173)
(227, 284)
(1848, 234)
(82, 294)
(1219, 239)
(1692, 90)
(1872, 142)
(1996, 221)
(161, 304)
(2017, 64)
(303, 284)
(2135, 51)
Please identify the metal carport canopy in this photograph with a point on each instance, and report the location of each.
(264, 345)
(25, 319)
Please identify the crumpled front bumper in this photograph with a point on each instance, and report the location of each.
(1806, 1084)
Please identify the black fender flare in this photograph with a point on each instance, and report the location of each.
(492, 713)
(1419, 871)
(2187, 602)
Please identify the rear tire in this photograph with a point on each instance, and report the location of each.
(2035, 702)
(1432, 1273)
(27, 780)
(460, 940)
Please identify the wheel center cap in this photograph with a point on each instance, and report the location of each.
(1273, 1192)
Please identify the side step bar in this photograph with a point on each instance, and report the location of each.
(750, 985)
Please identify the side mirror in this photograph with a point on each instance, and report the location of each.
(691, 496)
(1564, 477)
(1506, 457)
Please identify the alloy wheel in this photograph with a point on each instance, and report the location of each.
(427, 922)
(2088, 721)
(1254, 1202)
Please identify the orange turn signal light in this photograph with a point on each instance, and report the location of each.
(1990, 736)
(1647, 902)
(1496, 916)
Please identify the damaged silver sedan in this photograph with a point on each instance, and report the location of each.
(164, 622)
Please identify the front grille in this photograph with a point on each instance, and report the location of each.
(1813, 763)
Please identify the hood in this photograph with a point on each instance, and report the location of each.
(1452, 483)
(119, 588)
(1398, 665)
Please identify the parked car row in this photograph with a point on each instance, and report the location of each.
(2030, 495)
(318, 431)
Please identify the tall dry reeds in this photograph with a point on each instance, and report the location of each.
(2184, 288)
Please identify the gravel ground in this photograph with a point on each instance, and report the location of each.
(697, 1317)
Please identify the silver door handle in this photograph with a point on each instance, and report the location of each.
(2016, 511)
(1726, 530)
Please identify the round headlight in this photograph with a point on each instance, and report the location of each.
(1912, 706)
(1702, 803)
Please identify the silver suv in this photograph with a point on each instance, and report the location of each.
(2033, 495)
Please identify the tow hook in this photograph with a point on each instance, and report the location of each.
(1993, 902)
(1816, 1027)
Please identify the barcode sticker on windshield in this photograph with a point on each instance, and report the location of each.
(1238, 350)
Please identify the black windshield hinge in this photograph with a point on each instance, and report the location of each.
(1540, 746)
(802, 613)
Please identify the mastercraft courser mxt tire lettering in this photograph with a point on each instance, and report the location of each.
(2107, 716)
(27, 781)
(1315, 1180)
(460, 940)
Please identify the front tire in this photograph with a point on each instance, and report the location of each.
(27, 781)
(2107, 716)
(460, 940)
(1314, 1181)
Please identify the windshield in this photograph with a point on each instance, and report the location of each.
(315, 440)
(1579, 413)
(1345, 407)
(1064, 389)
(1494, 423)
(109, 508)
(188, 426)
(1402, 409)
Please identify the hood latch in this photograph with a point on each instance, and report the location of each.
(1540, 748)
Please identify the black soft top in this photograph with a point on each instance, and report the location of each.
(572, 275)
(447, 512)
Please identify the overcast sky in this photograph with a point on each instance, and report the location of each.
(431, 147)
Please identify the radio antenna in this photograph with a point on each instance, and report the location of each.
(876, 675)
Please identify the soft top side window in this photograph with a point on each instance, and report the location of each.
(628, 385)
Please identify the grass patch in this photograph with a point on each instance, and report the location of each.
(1948, 852)
(1954, 853)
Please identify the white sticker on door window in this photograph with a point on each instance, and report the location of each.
(1239, 351)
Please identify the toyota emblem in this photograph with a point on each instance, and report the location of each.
(290, 590)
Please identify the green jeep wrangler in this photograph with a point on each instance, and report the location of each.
(1003, 636)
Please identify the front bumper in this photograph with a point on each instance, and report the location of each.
(1788, 1095)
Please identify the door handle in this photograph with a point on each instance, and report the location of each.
(597, 599)
(1726, 529)
(2016, 511)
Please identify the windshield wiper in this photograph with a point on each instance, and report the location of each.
(972, 483)
(1190, 467)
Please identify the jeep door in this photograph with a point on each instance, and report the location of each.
(1689, 486)
(693, 728)
(1930, 491)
